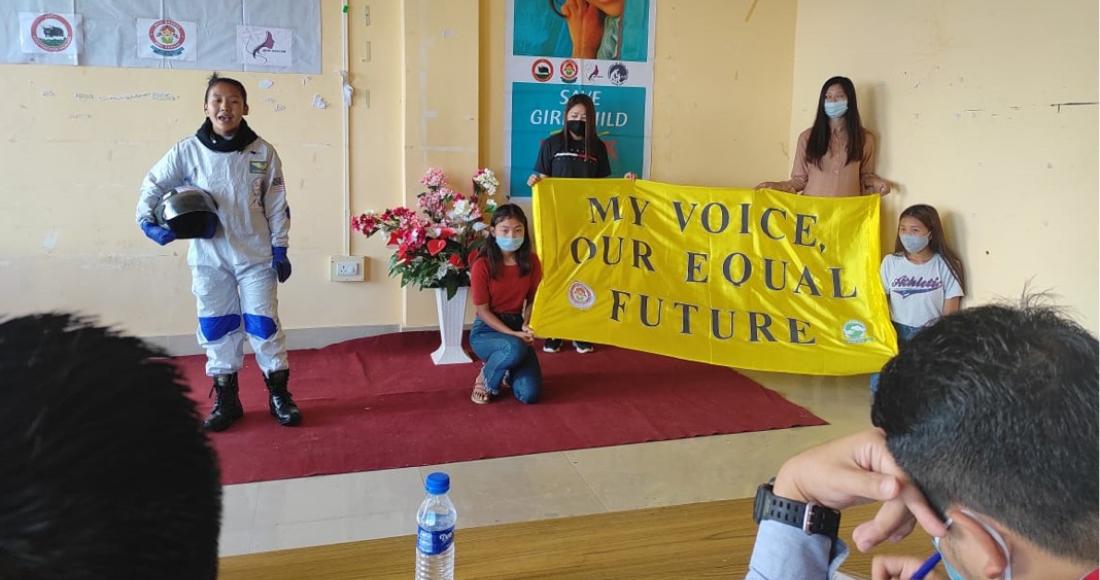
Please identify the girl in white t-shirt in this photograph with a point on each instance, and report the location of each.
(923, 278)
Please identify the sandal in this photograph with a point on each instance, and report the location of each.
(480, 394)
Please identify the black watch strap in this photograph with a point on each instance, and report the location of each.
(810, 517)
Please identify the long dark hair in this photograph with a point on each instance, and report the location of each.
(491, 251)
(930, 218)
(818, 146)
(589, 121)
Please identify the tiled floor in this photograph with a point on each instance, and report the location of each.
(291, 513)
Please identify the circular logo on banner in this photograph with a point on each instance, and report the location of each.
(855, 332)
(52, 32)
(581, 296)
(618, 73)
(569, 71)
(167, 37)
(542, 70)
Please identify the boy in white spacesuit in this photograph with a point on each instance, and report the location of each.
(233, 272)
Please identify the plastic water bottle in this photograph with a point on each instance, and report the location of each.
(435, 535)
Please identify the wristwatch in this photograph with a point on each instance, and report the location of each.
(809, 517)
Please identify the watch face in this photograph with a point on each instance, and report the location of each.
(761, 502)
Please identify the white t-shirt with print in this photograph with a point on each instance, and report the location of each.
(917, 291)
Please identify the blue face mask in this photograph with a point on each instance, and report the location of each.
(508, 244)
(954, 574)
(913, 243)
(836, 109)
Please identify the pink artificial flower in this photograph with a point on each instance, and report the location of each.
(434, 177)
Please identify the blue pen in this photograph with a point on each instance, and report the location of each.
(926, 567)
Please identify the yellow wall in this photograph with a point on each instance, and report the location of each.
(441, 109)
(964, 98)
(77, 142)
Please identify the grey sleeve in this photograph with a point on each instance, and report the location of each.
(166, 174)
(276, 207)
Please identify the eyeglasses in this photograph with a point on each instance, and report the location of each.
(936, 539)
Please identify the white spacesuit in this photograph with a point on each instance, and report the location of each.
(234, 272)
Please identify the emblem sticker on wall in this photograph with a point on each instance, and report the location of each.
(49, 33)
(166, 38)
(265, 46)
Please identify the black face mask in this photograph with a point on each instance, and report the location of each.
(575, 127)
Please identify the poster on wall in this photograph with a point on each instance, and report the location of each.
(275, 36)
(51, 34)
(265, 46)
(556, 48)
(166, 38)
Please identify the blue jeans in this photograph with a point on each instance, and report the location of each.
(905, 334)
(503, 353)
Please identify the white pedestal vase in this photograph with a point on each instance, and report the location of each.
(452, 317)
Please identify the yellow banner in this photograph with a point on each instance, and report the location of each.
(759, 280)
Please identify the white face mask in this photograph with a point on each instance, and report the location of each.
(913, 243)
(954, 574)
(836, 109)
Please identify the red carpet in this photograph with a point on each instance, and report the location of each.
(379, 403)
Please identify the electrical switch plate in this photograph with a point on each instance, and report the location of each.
(347, 268)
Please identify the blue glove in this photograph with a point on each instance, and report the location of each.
(281, 263)
(158, 234)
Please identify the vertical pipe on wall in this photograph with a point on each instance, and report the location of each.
(346, 109)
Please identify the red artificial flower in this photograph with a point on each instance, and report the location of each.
(436, 246)
(455, 260)
(446, 233)
(394, 238)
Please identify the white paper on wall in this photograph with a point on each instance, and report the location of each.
(50, 33)
(265, 46)
(108, 33)
(160, 38)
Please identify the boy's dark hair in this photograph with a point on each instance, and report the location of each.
(106, 473)
(492, 252)
(215, 79)
(821, 132)
(995, 408)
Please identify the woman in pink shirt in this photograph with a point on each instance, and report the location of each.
(835, 157)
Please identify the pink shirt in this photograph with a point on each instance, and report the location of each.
(836, 177)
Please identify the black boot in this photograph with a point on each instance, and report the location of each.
(227, 407)
(281, 404)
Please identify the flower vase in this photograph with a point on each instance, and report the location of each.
(452, 317)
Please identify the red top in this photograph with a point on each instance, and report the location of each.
(1092, 575)
(507, 292)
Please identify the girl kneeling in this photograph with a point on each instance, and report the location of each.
(503, 281)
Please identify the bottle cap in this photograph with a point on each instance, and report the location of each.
(438, 483)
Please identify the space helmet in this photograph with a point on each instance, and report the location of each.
(189, 212)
